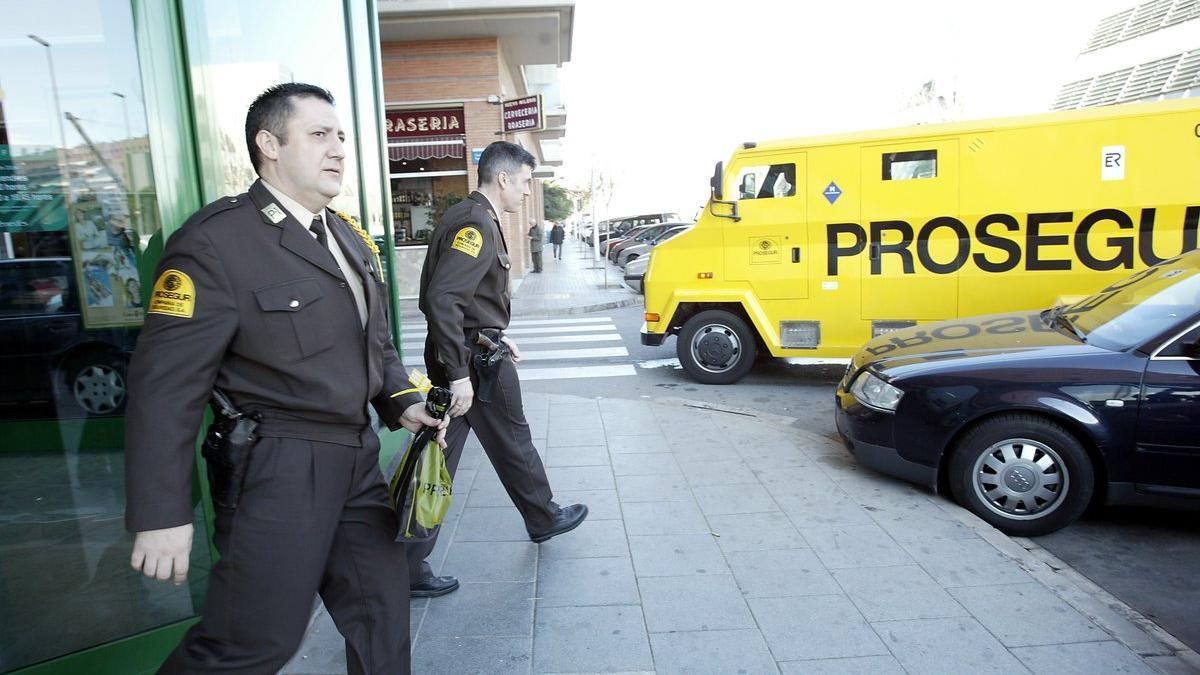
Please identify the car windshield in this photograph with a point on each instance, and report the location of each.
(667, 235)
(1141, 306)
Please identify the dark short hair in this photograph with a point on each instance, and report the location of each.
(502, 156)
(271, 111)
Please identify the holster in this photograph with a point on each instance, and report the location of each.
(226, 449)
(488, 360)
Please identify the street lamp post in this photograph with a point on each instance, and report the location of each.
(135, 217)
(62, 132)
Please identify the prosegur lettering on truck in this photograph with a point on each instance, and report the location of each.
(812, 247)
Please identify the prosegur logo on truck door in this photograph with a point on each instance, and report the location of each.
(994, 253)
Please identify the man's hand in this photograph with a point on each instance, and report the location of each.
(163, 554)
(415, 416)
(464, 396)
(512, 347)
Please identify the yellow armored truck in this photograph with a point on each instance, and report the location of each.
(812, 247)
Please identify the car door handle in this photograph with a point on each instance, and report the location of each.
(795, 254)
(60, 327)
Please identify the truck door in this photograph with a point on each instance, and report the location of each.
(768, 246)
(915, 241)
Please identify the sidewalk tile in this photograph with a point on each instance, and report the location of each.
(592, 539)
(972, 562)
(560, 438)
(664, 518)
(896, 593)
(712, 652)
(817, 627)
(581, 477)
(653, 489)
(822, 509)
(471, 655)
(1025, 615)
(676, 555)
(579, 455)
(487, 491)
(645, 464)
(602, 504)
(781, 573)
(491, 561)
(502, 523)
(591, 639)
(861, 665)
(718, 500)
(1086, 658)
(854, 546)
(693, 603)
(719, 472)
(578, 582)
(481, 610)
(640, 444)
(950, 646)
(916, 522)
(756, 532)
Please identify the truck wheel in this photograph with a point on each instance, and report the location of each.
(1023, 474)
(716, 347)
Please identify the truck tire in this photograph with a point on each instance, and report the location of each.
(716, 347)
(1023, 474)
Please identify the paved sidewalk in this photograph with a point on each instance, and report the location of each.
(720, 542)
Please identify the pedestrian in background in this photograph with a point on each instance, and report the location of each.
(537, 238)
(276, 300)
(557, 234)
(464, 291)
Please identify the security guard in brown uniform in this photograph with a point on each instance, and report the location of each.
(464, 291)
(281, 304)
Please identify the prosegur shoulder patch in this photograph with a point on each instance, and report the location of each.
(174, 295)
(469, 241)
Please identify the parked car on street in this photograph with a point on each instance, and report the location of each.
(637, 249)
(46, 353)
(1029, 417)
(635, 274)
(636, 235)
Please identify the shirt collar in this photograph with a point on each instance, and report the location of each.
(495, 211)
(301, 214)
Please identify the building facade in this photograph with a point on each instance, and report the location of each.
(1145, 53)
(450, 72)
(118, 120)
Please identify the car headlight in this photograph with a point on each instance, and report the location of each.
(872, 391)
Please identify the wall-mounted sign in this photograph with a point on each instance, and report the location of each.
(524, 114)
(31, 191)
(476, 153)
(420, 123)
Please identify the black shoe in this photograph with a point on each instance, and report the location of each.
(568, 518)
(433, 587)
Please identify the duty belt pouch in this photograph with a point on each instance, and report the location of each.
(488, 354)
(226, 449)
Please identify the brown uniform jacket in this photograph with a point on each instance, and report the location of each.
(464, 283)
(272, 322)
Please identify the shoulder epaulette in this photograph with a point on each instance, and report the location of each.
(213, 208)
(364, 235)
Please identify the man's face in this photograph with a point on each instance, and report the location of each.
(309, 166)
(515, 187)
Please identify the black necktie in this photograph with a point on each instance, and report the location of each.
(318, 228)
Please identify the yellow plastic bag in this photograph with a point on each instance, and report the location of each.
(434, 489)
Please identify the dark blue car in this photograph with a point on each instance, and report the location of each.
(1027, 418)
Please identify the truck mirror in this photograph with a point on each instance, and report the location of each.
(715, 183)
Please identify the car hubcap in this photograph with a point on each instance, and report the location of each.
(1021, 479)
(99, 389)
(716, 348)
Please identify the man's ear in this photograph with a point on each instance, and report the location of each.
(502, 180)
(268, 144)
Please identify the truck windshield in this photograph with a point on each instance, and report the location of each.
(1137, 308)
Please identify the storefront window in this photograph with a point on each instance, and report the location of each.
(78, 213)
(428, 169)
(238, 49)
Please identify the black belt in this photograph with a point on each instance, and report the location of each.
(277, 426)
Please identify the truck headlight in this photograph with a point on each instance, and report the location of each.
(872, 391)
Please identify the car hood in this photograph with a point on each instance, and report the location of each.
(994, 337)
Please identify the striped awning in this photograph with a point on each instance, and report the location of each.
(427, 147)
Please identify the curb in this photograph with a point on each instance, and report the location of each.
(1158, 648)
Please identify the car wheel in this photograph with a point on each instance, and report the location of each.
(716, 347)
(1023, 474)
(97, 384)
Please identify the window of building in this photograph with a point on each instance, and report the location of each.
(428, 169)
(766, 181)
(911, 165)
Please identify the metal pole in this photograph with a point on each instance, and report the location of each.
(62, 132)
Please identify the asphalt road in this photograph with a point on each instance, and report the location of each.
(1148, 558)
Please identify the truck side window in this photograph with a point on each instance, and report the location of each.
(910, 165)
(767, 181)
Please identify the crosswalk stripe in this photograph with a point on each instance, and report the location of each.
(546, 340)
(420, 335)
(531, 322)
(414, 358)
(575, 372)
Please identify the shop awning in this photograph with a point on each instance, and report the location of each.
(428, 147)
